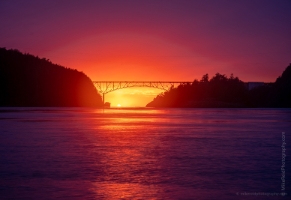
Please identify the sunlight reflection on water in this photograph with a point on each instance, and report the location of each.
(83, 153)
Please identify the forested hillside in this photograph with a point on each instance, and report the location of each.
(227, 92)
(27, 80)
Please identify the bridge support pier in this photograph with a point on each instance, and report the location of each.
(103, 99)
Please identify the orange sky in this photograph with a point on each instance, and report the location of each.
(153, 40)
(133, 57)
(126, 56)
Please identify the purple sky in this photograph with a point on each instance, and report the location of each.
(153, 40)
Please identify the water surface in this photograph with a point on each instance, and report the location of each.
(84, 153)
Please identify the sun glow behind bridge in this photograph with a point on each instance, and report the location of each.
(132, 97)
(133, 93)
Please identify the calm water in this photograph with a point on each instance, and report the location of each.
(82, 153)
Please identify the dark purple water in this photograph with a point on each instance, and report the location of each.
(79, 153)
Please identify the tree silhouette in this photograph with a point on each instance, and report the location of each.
(26, 80)
(221, 91)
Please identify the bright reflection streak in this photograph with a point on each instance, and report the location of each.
(128, 156)
(126, 191)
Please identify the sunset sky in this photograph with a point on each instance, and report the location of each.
(161, 40)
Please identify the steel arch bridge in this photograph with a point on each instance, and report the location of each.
(105, 87)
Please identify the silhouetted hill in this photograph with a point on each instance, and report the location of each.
(221, 91)
(277, 95)
(282, 90)
(26, 80)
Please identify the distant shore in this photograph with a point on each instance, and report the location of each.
(228, 92)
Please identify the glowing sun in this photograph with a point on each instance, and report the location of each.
(118, 105)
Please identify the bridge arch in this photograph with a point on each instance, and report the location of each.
(105, 87)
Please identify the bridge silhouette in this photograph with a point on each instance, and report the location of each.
(105, 87)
